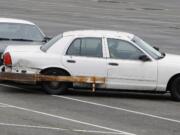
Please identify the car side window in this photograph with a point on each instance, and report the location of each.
(119, 49)
(74, 48)
(89, 47)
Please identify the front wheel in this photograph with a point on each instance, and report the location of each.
(53, 87)
(175, 89)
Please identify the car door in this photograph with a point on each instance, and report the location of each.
(125, 69)
(84, 57)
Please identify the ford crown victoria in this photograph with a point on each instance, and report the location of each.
(126, 61)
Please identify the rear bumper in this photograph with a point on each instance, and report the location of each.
(21, 70)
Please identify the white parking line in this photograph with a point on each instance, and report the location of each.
(11, 86)
(31, 126)
(68, 119)
(98, 132)
(118, 108)
(59, 129)
(2, 105)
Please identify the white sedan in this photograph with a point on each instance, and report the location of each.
(18, 32)
(126, 61)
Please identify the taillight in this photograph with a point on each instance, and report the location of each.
(7, 59)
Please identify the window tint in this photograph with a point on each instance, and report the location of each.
(120, 49)
(148, 48)
(90, 47)
(74, 48)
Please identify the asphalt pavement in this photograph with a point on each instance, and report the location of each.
(28, 110)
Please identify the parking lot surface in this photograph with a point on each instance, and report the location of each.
(26, 110)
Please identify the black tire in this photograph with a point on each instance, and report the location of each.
(54, 88)
(175, 89)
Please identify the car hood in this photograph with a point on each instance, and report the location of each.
(5, 44)
(171, 59)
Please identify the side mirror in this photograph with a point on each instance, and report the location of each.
(157, 48)
(46, 39)
(144, 58)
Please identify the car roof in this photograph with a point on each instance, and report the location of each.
(11, 20)
(99, 33)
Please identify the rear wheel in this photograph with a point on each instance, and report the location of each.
(53, 87)
(175, 89)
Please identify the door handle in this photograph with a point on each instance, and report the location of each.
(113, 64)
(71, 61)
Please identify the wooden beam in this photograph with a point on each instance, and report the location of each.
(37, 77)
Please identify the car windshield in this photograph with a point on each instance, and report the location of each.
(45, 47)
(148, 48)
(20, 32)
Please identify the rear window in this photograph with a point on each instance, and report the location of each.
(45, 47)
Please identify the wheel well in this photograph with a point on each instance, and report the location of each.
(54, 68)
(171, 81)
